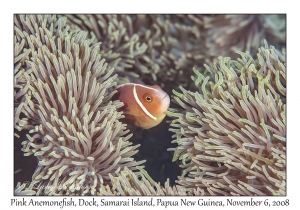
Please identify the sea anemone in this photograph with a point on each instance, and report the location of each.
(76, 133)
(128, 183)
(230, 126)
(145, 48)
(120, 44)
(231, 133)
(225, 34)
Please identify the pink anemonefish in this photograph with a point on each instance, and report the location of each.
(144, 106)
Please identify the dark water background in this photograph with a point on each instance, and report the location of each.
(24, 166)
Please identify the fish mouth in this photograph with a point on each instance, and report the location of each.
(164, 97)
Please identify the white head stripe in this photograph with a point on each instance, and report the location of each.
(141, 105)
(138, 85)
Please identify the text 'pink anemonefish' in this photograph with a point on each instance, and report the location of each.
(144, 106)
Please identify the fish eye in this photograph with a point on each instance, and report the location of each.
(147, 97)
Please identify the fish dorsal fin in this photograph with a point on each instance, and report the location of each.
(156, 87)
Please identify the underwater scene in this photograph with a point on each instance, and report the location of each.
(157, 104)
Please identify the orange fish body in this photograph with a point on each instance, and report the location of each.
(144, 106)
